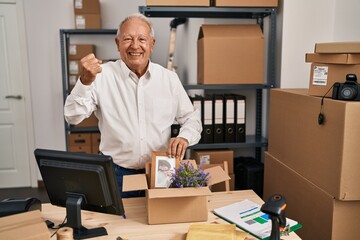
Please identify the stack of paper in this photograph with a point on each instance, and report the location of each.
(247, 216)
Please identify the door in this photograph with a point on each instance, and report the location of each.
(14, 150)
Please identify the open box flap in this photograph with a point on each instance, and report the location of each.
(217, 175)
(134, 182)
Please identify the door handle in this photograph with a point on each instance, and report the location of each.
(18, 97)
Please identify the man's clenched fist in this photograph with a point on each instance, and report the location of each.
(90, 67)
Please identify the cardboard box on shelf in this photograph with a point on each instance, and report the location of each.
(337, 47)
(80, 149)
(80, 139)
(88, 21)
(25, 226)
(72, 80)
(325, 154)
(214, 157)
(95, 142)
(91, 121)
(95, 138)
(198, 3)
(78, 51)
(74, 67)
(86, 6)
(321, 214)
(242, 46)
(246, 3)
(175, 205)
(323, 76)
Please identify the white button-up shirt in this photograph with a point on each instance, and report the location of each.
(135, 114)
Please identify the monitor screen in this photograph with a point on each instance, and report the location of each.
(80, 181)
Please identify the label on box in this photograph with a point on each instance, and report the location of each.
(73, 79)
(78, 4)
(320, 75)
(205, 159)
(72, 49)
(80, 22)
(73, 67)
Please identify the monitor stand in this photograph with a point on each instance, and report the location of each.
(73, 214)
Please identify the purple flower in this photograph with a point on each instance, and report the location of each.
(187, 176)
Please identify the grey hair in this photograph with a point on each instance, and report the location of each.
(140, 17)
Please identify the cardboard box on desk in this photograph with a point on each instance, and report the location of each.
(24, 226)
(327, 154)
(322, 215)
(243, 47)
(175, 205)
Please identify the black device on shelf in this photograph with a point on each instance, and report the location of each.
(80, 181)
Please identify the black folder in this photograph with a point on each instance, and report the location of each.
(229, 118)
(240, 118)
(218, 118)
(198, 103)
(175, 129)
(208, 119)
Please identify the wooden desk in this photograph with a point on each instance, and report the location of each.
(135, 225)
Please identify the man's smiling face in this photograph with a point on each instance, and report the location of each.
(135, 45)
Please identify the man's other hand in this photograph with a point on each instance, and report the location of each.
(177, 147)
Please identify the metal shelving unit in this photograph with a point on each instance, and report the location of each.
(256, 141)
(65, 35)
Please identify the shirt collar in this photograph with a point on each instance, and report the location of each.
(128, 73)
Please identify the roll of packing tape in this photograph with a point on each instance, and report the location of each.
(65, 233)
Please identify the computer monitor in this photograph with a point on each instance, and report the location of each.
(80, 181)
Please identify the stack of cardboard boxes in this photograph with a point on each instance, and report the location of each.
(330, 63)
(315, 165)
(87, 14)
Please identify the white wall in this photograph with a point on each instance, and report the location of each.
(307, 22)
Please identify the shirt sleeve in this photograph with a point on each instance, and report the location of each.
(79, 104)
